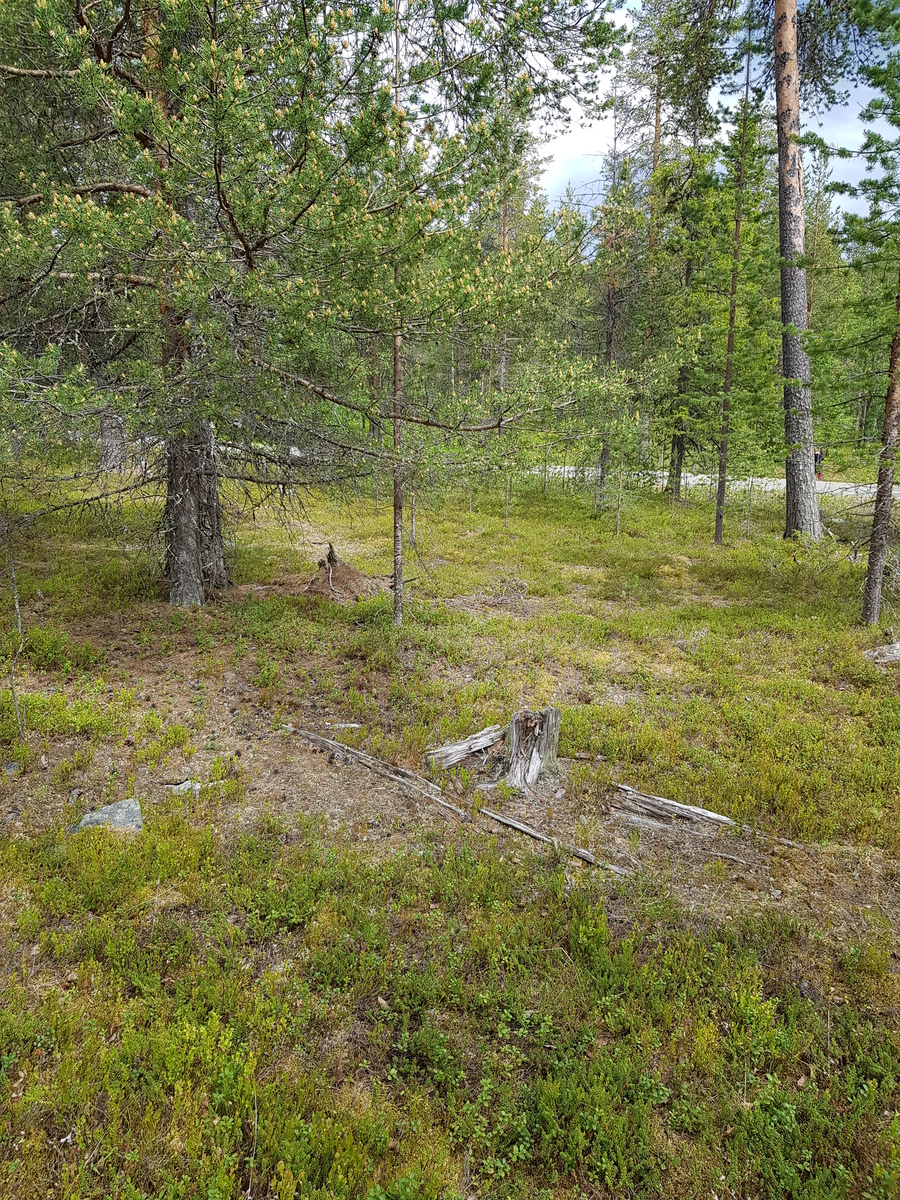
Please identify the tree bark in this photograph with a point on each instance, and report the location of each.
(884, 491)
(213, 567)
(195, 547)
(722, 480)
(801, 504)
(676, 461)
(184, 459)
(112, 442)
(398, 475)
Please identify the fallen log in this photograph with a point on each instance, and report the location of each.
(574, 851)
(454, 752)
(430, 792)
(664, 810)
(533, 742)
(398, 774)
(884, 655)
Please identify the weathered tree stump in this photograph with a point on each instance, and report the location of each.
(533, 741)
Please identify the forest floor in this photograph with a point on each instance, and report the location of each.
(488, 1015)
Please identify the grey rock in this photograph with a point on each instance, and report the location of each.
(126, 814)
(12, 768)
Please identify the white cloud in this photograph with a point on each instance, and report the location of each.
(573, 157)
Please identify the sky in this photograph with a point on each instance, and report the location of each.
(573, 157)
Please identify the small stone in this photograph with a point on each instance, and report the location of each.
(12, 768)
(382, 1003)
(44, 762)
(125, 815)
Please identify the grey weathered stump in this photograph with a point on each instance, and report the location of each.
(533, 740)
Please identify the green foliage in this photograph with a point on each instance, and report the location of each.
(52, 714)
(49, 649)
(283, 1010)
(155, 740)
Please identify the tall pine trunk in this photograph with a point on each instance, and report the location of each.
(722, 480)
(884, 492)
(801, 504)
(195, 553)
(213, 567)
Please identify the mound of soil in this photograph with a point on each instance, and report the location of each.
(342, 583)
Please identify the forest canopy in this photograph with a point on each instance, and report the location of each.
(260, 248)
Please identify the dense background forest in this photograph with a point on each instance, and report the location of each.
(330, 443)
(259, 250)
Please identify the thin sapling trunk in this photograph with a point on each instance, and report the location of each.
(884, 491)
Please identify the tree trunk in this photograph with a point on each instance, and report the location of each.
(676, 461)
(195, 548)
(722, 480)
(398, 476)
(112, 442)
(801, 504)
(884, 492)
(605, 455)
(213, 567)
(184, 464)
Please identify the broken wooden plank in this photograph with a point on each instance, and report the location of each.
(454, 752)
(662, 809)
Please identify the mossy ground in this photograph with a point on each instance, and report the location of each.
(273, 1013)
